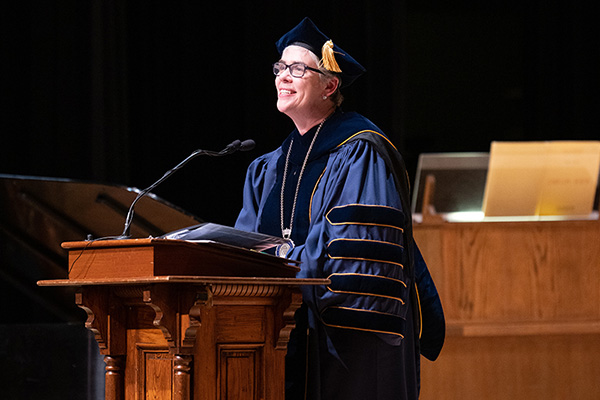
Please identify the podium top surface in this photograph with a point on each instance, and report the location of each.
(198, 280)
(147, 258)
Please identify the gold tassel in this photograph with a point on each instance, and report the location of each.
(328, 60)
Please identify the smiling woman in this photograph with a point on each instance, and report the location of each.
(336, 190)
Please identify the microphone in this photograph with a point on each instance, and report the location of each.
(232, 147)
(247, 145)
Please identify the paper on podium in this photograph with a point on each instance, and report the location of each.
(226, 235)
(542, 178)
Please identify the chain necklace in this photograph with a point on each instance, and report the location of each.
(287, 232)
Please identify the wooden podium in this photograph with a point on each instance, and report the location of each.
(179, 320)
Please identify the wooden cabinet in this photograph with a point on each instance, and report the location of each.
(522, 305)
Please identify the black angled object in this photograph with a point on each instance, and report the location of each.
(231, 148)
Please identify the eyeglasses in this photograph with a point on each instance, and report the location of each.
(297, 70)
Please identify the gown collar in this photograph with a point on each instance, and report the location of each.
(329, 138)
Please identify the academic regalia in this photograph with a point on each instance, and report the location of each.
(357, 337)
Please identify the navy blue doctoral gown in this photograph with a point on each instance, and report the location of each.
(360, 336)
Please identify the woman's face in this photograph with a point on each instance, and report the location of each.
(300, 97)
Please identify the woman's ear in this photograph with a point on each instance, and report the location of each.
(332, 86)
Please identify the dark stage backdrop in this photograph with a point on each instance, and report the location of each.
(120, 90)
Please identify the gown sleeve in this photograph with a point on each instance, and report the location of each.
(259, 180)
(355, 239)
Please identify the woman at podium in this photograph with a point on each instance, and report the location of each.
(337, 190)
